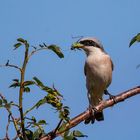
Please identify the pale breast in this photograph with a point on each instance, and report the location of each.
(99, 69)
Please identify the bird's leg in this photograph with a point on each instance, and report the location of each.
(110, 95)
(91, 117)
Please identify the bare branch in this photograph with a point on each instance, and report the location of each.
(58, 126)
(36, 50)
(10, 113)
(7, 127)
(11, 65)
(83, 116)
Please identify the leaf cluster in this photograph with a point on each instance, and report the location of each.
(74, 135)
(24, 125)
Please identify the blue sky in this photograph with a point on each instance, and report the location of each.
(50, 21)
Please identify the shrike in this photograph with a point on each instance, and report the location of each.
(98, 71)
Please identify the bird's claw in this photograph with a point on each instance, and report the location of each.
(110, 96)
(91, 118)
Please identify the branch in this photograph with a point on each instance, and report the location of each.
(11, 65)
(10, 113)
(83, 116)
(21, 90)
(37, 50)
(7, 127)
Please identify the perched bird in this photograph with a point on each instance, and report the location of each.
(98, 71)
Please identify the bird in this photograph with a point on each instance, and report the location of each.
(98, 71)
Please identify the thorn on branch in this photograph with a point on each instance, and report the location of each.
(7, 63)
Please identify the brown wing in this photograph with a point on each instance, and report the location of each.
(112, 64)
(85, 68)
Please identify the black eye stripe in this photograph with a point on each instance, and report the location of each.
(89, 43)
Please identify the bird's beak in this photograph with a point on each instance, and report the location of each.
(77, 45)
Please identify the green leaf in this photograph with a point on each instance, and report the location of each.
(33, 119)
(64, 113)
(14, 85)
(38, 133)
(38, 82)
(62, 128)
(28, 83)
(77, 133)
(29, 134)
(40, 102)
(56, 50)
(17, 45)
(26, 89)
(16, 80)
(21, 40)
(42, 122)
(135, 39)
(66, 133)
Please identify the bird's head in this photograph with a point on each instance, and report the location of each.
(88, 44)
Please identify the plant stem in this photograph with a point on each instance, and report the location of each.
(21, 90)
(10, 114)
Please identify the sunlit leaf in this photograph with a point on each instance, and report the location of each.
(135, 39)
(57, 50)
(17, 45)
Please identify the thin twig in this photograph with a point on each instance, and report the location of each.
(7, 127)
(30, 109)
(58, 126)
(12, 66)
(37, 50)
(103, 105)
(13, 119)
